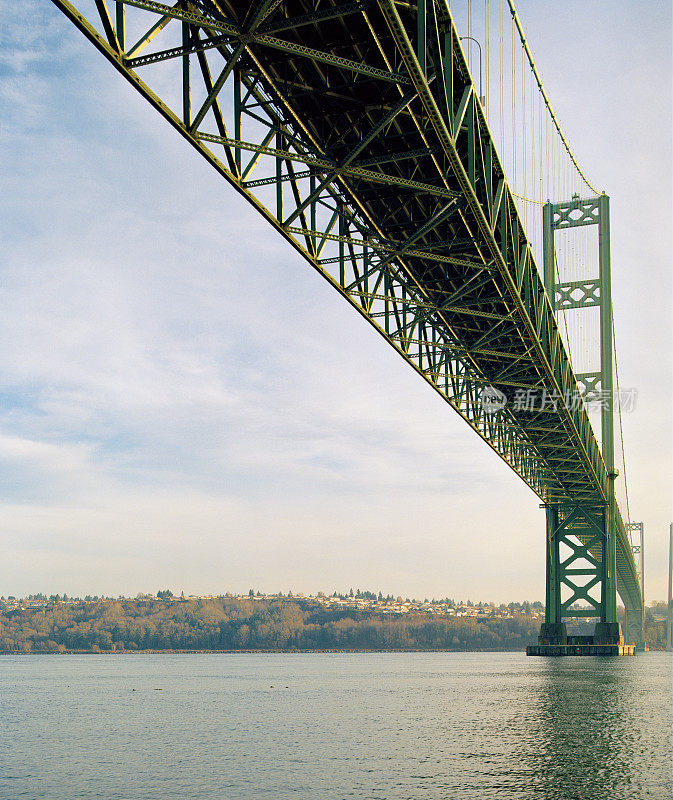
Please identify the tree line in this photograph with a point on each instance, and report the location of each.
(228, 623)
(236, 623)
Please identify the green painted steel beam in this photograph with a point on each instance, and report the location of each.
(335, 170)
(176, 52)
(323, 15)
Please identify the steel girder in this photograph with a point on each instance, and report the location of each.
(355, 130)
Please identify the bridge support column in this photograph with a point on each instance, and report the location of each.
(578, 583)
(634, 629)
(581, 544)
(635, 618)
(607, 406)
(553, 631)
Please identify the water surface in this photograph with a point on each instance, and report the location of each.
(334, 726)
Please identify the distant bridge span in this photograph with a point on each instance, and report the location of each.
(356, 131)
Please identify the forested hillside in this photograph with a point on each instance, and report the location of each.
(246, 624)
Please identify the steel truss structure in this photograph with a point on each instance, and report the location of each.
(355, 130)
(635, 618)
(582, 529)
(591, 536)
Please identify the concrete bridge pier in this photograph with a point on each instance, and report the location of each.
(607, 640)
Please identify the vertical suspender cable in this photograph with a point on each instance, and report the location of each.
(469, 33)
(487, 37)
(516, 21)
(514, 175)
(524, 177)
(502, 100)
(621, 430)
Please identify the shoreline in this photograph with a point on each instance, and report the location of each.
(244, 652)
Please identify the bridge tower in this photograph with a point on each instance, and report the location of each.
(581, 538)
(635, 620)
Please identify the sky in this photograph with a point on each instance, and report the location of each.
(185, 404)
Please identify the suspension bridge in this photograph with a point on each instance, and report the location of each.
(410, 153)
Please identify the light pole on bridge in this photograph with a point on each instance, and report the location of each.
(476, 41)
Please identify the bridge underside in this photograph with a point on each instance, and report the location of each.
(356, 131)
